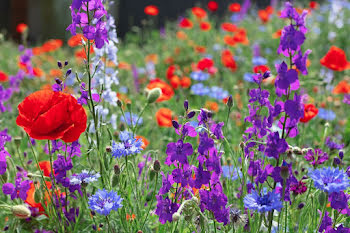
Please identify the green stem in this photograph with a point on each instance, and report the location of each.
(323, 212)
(150, 206)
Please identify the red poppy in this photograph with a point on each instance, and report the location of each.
(51, 45)
(45, 166)
(277, 34)
(38, 72)
(185, 23)
(167, 90)
(175, 81)
(260, 69)
(151, 10)
(3, 77)
(211, 105)
(342, 88)
(76, 40)
(213, 6)
(145, 142)
(52, 115)
(234, 7)
(228, 60)
(185, 82)
(22, 27)
(205, 26)
(264, 16)
(30, 196)
(310, 111)
(170, 72)
(241, 36)
(313, 5)
(335, 59)
(199, 12)
(164, 117)
(229, 40)
(229, 27)
(205, 63)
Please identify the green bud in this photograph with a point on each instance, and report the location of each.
(152, 173)
(322, 198)
(21, 211)
(115, 180)
(18, 141)
(156, 165)
(153, 95)
(4, 176)
(37, 196)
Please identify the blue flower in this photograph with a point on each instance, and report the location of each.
(248, 77)
(103, 202)
(84, 177)
(230, 172)
(330, 179)
(325, 114)
(130, 116)
(257, 61)
(264, 203)
(218, 93)
(200, 89)
(199, 75)
(129, 145)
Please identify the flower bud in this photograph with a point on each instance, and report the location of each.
(242, 145)
(297, 150)
(284, 172)
(108, 149)
(336, 161)
(18, 141)
(191, 114)
(152, 173)
(65, 63)
(6, 228)
(210, 114)
(115, 180)
(322, 198)
(156, 165)
(266, 74)
(301, 205)
(186, 105)
(341, 154)
(116, 169)
(69, 71)
(59, 64)
(119, 103)
(175, 124)
(153, 95)
(21, 211)
(37, 196)
(176, 217)
(149, 196)
(229, 102)
(58, 81)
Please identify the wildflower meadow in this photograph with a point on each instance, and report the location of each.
(230, 119)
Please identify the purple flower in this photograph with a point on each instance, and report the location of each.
(294, 108)
(300, 61)
(21, 187)
(263, 203)
(286, 78)
(166, 184)
(216, 129)
(330, 179)
(291, 40)
(178, 151)
(275, 145)
(338, 200)
(205, 143)
(316, 157)
(340, 229)
(326, 222)
(202, 177)
(165, 209)
(332, 145)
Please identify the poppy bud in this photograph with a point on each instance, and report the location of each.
(191, 114)
(186, 105)
(156, 165)
(69, 71)
(108, 149)
(322, 198)
(153, 95)
(301, 205)
(116, 169)
(176, 217)
(175, 124)
(59, 64)
(242, 145)
(65, 63)
(152, 173)
(149, 196)
(119, 103)
(139, 231)
(21, 211)
(229, 102)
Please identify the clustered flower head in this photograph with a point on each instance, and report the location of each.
(330, 179)
(128, 145)
(103, 202)
(84, 177)
(264, 202)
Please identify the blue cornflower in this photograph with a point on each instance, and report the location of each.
(257, 61)
(325, 114)
(200, 89)
(330, 179)
(264, 203)
(130, 116)
(129, 145)
(199, 75)
(248, 77)
(218, 93)
(84, 177)
(230, 172)
(103, 202)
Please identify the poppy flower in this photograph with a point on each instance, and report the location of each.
(229, 40)
(52, 115)
(185, 82)
(228, 60)
(342, 88)
(264, 16)
(234, 7)
(167, 90)
(181, 35)
(38, 72)
(145, 142)
(170, 72)
(229, 27)
(313, 5)
(260, 69)
(277, 34)
(3, 77)
(241, 36)
(211, 105)
(164, 117)
(310, 111)
(205, 63)
(51, 45)
(199, 12)
(152, 58)
(76, 40)
(213, 6)
(175, 81)
(186, 23)
(45, 167)
(205, 26)
(335, 59)
(21, 28)
(30, 196)
(151, 10)
(200, 49)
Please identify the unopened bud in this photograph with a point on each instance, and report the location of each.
(336, 161)
(175, 124)
(21, 211)
(301, 205)
(186, 105)
(119, 103)
(242, 145)
(115, 180)
(59, 64)
(58, 81)
(153, 95)
(322, 198)
(116, 169)
(156, 165)
(176, 217)
(65, 63)
(266, 74)
(284, 172)
(108, 149)
(37, 196)
(69, 71)
(341, 154)
(229, 102)
(191, 114)
(18, 141)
